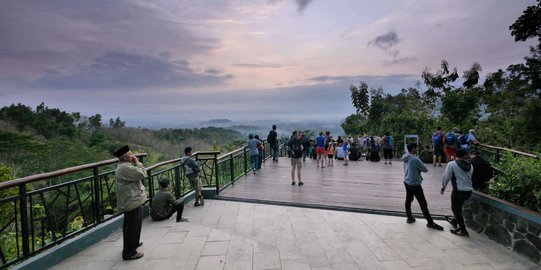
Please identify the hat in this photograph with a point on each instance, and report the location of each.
(471, 131)
(120, 152)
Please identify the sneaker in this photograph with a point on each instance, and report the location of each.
(196, 204)
(137, 255)
(301, 183)
(451, 220)
(410, 220)
(460, 232)
(182, 220)
(293, 183)
(345, 164)
(434, 226)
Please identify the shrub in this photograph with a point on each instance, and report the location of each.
(520, 182)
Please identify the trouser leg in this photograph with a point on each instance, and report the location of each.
(131, 231)
(457, 201)
(409, 199)
(420, 196)
(179, 209)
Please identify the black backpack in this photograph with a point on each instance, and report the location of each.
(463, 139)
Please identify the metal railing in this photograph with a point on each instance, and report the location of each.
(43, 210)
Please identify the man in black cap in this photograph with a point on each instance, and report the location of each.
(131, 195)
(164, 204)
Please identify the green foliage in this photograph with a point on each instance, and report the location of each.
(520, 183)
(359, 98)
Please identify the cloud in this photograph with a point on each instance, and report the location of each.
(385, 41)
(259, 65)
(404, 60)
(302, 4)
(125, 70)
(390, 83)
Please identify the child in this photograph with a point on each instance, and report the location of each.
(330, 154)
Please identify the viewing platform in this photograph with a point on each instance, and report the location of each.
(362, 186)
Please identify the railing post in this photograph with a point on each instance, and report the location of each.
(245, 165)
(177, 181)
(231, 168)
(217, 173)
(97, 195)
(24, 220)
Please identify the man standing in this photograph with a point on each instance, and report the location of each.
(412, 181)
(272, 138)
(296, 148)
(482, 171)
(388, 148)
(459, 172)
(320, 149)
(164, 204)
(437, 144)
(130, 196)
(192, 169)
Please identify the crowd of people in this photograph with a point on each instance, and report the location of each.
(466, 170)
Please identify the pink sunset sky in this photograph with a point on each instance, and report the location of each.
(245, 60)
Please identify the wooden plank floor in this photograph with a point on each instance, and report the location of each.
(363, 185)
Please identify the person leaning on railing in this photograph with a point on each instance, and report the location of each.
(131, 195)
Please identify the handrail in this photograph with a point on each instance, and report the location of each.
(232, 152)
(509, 150)
(41, 176)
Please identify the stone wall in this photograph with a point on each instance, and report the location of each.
(515, 228)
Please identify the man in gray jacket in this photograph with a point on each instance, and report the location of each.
(192, 168)
(459, 172)
(413, 167)
(131, 195)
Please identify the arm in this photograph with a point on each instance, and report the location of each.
(446, 177)
(421, 166)
(135, 172)
(171, 199)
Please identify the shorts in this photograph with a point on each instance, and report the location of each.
(330, 155)
(296, 162)
(451, 151)
(320, 150)
(387, 153)
(438, 152)
(196, 183)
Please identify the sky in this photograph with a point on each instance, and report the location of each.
(178, 61)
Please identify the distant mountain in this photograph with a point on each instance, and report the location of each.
(220, 121)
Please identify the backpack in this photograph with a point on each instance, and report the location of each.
(450, 138)
(463, 139)
(436, 138)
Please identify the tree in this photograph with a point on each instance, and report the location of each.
(359, 98)
(528, 25)
(94, 121)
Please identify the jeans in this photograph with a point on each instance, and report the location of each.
(457, 200)
(253, 161)
(131, 231)
(417, 192)
(175, 208)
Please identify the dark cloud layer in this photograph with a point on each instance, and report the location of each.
(385, 41)
(302, 4)
(125, 70)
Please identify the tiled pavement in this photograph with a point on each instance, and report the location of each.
(233, 235)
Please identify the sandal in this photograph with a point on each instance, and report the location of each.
(135, 256)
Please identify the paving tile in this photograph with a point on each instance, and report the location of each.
(164, 251)
(173, 238)
(266, 260)
(215, 248)
(295, 265)
(210, 263)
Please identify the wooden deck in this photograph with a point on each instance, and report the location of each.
(364, 186)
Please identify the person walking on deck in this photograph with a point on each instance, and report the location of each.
(388, 148)
(459, 173)
(413, 167)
